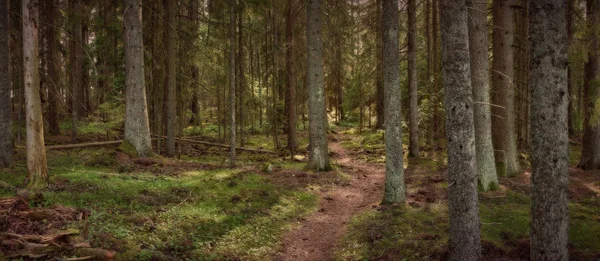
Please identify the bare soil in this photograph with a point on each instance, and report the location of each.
(317, 236)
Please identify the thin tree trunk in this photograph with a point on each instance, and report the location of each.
(379, 88)
(52, 67)
(291, 87)
(503, 122)
(570, 35)
(413, 148)
(232, 82)
(317, 117)
(590, 154)
(478, 44)
(395, 192)
(37, 171)
(171, 88)
(76, 56)
(5, 88)
(137, 128)
(241, 78)
(549, 131)
(465, 239)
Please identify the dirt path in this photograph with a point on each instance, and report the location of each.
(318, 235)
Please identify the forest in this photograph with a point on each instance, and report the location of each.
(299, 130)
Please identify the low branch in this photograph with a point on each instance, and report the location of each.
(223, 145)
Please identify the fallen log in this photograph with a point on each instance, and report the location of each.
(223, 145)
(83, 145)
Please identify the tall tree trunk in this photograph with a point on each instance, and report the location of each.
(413, 148)
(317, 116)
(137, 128)
(570, 35)
(395, 192)
(241, 78)
(549, 130)
(171, 88)
(37, 171)
(157, 71)
(503, 124)
(52, 66)
(5, 88)
(478, 47)
(465, 239)
(379, 88)
(435, 87)
(291, 87)
(76, 57)
(232, 82)
(590, 154)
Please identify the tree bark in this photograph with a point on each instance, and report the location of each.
(52, 66)
(465, 241)
(5, 87)
(171, 92)
(503, 92)
(37, 171)
(137, 128)
(395, 192)
(232, 82)
(291, 93)
(590, 154)
(413, 148)
(478, 47)
(76, 57)
(549, 130)
(570, 35)
(379, 89)
(318, 159)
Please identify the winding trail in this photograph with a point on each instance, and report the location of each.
(318, 235)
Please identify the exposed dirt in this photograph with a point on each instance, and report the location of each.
(318, 234)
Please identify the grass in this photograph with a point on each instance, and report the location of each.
(193, 214)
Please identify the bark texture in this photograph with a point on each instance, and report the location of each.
(232, 82)
(549, 130)
(413, 148)
(291, 87)
(137, 128)
(51, 56)
(478, 47)
(37, 171)
(503, 93)
(318, 158)
(394, 169)
(171, 91)
(76, 57)
(590, 154)
(5, 89)
(465, 241)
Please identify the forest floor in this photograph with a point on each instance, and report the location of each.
(195, 208)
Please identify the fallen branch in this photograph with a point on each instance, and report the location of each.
(224, 145)
(83, 145)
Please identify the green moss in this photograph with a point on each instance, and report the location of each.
(501, 169)
(128, 148)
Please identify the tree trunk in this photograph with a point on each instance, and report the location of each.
(549, 130)
(395, 192)
(76, 57)
(317, 116)
(503, 92)
(171, 92)
(241, 78)
(478, 47)
(465, 241)
(435, 87)
(5, 88)
(157, 71)
(232, 82)
(37, 171)
(590, 154)
(379, 89)
(413, 148)
(137, 128)
(52, 67)
(291, 87)
(570, 35)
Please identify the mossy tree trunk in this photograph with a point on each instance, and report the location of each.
(549, 130)
(395, 192)
(137, 128)
(478, 47)
(465, 239)
(317, 117)
(503, 92)
(37, 171)
(413, 147)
